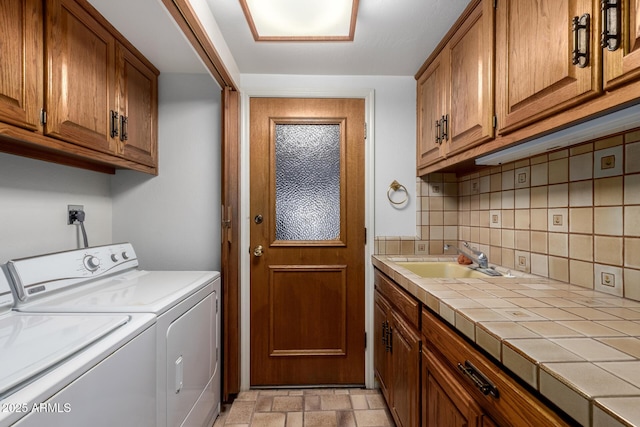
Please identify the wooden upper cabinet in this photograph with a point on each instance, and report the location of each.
(80, 77)
(137, 107)
(21, 75)
(432, 90)
(471, 74)
(455, 88)
(534, 59)
(621, 58)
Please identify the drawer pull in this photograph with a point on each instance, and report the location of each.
(485, 386)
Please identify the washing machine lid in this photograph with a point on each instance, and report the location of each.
(135, 291)
(33, 343)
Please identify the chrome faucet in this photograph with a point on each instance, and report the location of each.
(478, 257)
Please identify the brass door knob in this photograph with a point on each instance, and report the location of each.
(258, 250)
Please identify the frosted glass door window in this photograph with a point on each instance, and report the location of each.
(307, 181)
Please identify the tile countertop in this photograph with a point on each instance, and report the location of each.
(580, 348)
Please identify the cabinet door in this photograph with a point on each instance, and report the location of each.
(80, 77)
(21, 77)
(432, 93)
(471, 53)
(446, 403)
(623, 64)
(405, 372)
(138, 102)
(380, 354)
(534, 51)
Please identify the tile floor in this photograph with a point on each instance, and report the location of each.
(308, 408)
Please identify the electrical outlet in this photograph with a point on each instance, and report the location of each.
(71, 208)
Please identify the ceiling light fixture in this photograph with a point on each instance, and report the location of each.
(301, 20)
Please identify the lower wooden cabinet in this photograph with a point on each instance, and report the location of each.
(397, 354)
(445, 402)
(425, 371)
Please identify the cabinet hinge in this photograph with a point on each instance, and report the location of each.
(43, 117)
(495, 122)
(495, 4)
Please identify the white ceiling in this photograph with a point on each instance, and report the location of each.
(392, 37)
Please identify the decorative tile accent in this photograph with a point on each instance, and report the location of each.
(608, 279)
(607, 162)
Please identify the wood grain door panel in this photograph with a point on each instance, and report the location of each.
(80, 55)
(432, 94)
(138, 99)
(623, 65)
(21, 82)
(471, 52)
(307, 294)
(308, 311)
(534, 60)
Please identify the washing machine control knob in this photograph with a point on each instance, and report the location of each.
(125, 255)
(114, 258)
(91, 262)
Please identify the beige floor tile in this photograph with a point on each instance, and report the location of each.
(359, 401)
(312, 403)
(335, 402)
(241, 412)
(248, 395)
(264, 404)
(345, 419)
(268, 419)
(376, 401)
(288, 403)
(372, 418)
(294, 419)
(320, 419)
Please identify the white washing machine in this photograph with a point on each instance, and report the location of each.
(59, 369)
(106, 279)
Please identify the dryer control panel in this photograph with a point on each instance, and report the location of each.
(42, 275)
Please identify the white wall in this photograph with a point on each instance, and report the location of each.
(395, 135)
(33, 207)
(173, 220)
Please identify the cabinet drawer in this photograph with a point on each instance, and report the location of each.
(514, 404)
(404, 303)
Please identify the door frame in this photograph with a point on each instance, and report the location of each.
(245, 258)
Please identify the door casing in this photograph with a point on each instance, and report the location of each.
(245, 258)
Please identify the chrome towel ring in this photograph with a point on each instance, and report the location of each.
(395, 186)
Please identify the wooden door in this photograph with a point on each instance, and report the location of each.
(380, 343)
(445, 401)
(471, 53)
(623, 63)
(307, 241)
(21, 84)
(405, 373)
(80, 93)
(534, 54)
(432, 100)
(230, 251)
(138, 108)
